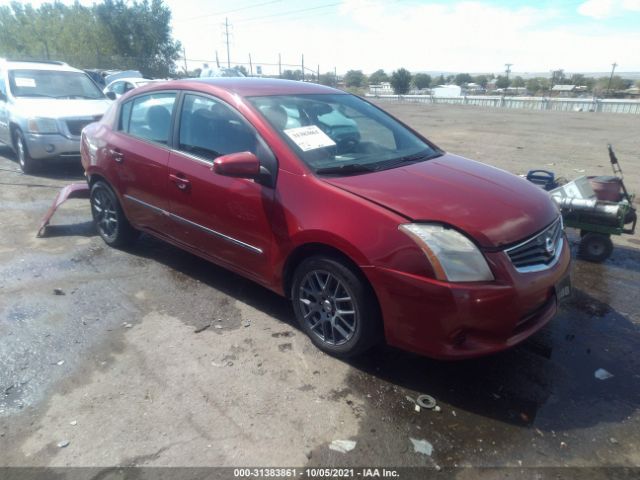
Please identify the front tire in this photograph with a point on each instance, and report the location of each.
(27, 164)
(109, 218)
(335, 307)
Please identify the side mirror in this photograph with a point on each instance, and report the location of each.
(239, 165)
(111, 95)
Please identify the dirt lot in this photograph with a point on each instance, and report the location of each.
(118, 364)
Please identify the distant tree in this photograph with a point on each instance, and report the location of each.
(421, 80)
(328, 78)
(577, 79)
(557, 77)
(111, 34)
(378, 77)
(502, 82)
(533, 85)
(242, 69)
(481, 80)
(401, 81)
(438, 81)
(292, 75)
(462, 79)
(355, 78)
(518, 82)
(450, 79)
(617, 83)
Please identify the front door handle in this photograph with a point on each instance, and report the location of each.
(180, 182)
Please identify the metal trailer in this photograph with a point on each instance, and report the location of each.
(596, 219)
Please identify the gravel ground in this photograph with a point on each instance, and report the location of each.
(153, 357)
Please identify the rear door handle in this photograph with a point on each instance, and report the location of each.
(116, 154)
(180, 182)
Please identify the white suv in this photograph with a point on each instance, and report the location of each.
(43, 108)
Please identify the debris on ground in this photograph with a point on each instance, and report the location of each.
(60, 363)
(342, 446)
(58, 291)
(426, 401)
(416, 408)
(421, 446)
(73, 423)
(613, 440)
(437, 408)
(602, 374)
(247, 322)
(218, 327)
(202, 328)
(127, 325)
(63, 443)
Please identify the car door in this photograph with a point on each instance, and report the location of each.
(139, 154)
(226, 218)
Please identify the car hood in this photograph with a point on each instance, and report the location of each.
(60, 108)
(494, 207)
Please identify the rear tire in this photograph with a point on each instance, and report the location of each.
(595, 247)
(335, 307)
(27, 164)
(109, 218)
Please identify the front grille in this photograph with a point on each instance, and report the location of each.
(540, 250)
(76, 125)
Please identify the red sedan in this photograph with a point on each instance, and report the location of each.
(372, 230)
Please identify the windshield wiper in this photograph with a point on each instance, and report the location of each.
(417, 157)
(74, 96)
(347, 168)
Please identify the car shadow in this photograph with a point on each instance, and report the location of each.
(215, 277)
(83, 229)
(55, 170)
(548, 381)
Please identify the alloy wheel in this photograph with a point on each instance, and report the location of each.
(104, 213)
(328, 307)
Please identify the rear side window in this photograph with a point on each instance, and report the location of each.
(118, 88)
(148, 117)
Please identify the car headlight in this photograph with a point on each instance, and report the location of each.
(42, 125)
(453, 256)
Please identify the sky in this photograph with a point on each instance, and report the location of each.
(432, 35)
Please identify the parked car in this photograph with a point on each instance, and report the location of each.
(385, 236)
(123, 85)
(43, 108)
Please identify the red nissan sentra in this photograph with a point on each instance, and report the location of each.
(372, 230)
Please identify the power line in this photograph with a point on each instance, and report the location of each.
(280, 14)
(196, 17)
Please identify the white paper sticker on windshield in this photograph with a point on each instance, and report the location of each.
(309, 138)
(25, 82)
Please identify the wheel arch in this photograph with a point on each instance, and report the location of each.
(306, 250)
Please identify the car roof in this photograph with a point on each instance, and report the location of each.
(54, 66)
(245, 86)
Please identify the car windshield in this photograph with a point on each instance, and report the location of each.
(340, 134)
(53, 84)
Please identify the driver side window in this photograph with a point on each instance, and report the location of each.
(209, 129)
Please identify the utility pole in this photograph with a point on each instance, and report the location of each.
(184, 55)
(613, 69)
(303, 67)
(318, 72)
(335, 75)
(250, 65)
(279, 66)
(508, 69)
(226, 36)
(217, 60)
